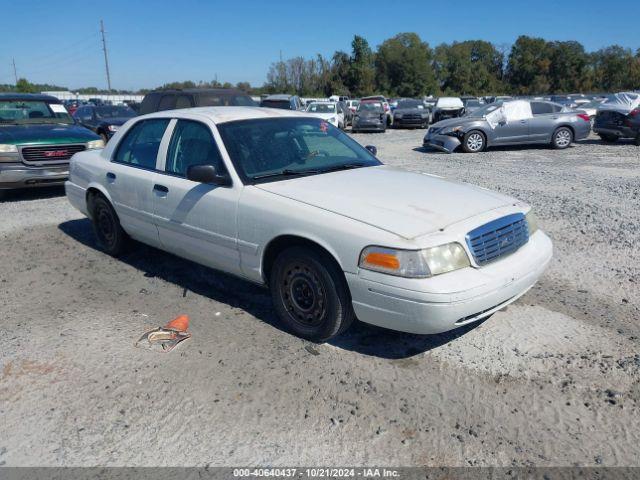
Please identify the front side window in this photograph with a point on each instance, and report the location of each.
(20, 112)
(192, 144)
(183, 101)
(276, 148)
(141, 143)
(167, 102)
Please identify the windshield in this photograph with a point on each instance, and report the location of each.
(114, 112)
(276, 148)
(410, 104)
(322, 108)
(485, 110)
(283, 104)
(375, 107)
(32, 111)
(472, 103)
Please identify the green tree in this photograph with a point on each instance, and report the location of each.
(615, 68)
(361, 79)
(403, 66)
(528, 66)
(23, 86)
(473, 67)
(568, 70)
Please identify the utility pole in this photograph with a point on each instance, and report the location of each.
(106, 58)
(15, 73)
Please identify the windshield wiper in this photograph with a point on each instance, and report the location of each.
(345, 166)
(287, 173)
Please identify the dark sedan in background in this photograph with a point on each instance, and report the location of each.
(411, 113)
(370, 117)
(510, 123)
(103, 120)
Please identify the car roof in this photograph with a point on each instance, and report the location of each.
(227, 114)
(28, 96)
(278, 96)
(201, 91)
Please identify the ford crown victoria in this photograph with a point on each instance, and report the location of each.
(291, 202)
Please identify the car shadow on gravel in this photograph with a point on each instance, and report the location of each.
(27, 194)
(255, 300)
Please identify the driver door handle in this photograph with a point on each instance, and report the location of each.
(111, 176)
(160, 188)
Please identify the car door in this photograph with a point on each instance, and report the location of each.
(542, 124)
(196, 220)
(511, 131)
(131, 177)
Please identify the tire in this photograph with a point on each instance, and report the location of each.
(310, 294)
(474, 141)
(110, 236)
(562, 138)
(608, 138)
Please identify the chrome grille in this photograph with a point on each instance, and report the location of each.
(498, 238)
(50, 153)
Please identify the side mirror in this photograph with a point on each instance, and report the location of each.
(207, 174)
(372, 149)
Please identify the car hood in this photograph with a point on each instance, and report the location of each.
(411, 110)
(405, 203)
(40, 134)
(451, 122)
(115, 120)
(368, 114)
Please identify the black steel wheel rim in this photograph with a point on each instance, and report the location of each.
(303, 294)
(106, 226)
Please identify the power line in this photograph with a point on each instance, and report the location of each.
(106, 59)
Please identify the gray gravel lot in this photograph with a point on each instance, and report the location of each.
(554, 379)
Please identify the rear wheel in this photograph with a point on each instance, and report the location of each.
(474, 141)
(562, 138)
(106, 226)
(608, 138)
(310, 294)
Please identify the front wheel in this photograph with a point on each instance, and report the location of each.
(106, 226)
(310, 294)
(474, 142)
(562, 138)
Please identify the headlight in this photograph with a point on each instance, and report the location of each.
(7, 148)
(113, 128)
(415, 263)
(94, 144)
(532, 222)
(447, 130)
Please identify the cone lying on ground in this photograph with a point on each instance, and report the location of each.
(180, 323)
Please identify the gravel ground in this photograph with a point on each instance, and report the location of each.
(554, 379)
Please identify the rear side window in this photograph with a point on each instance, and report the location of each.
(183, 101)
(141, 143)
(541, 108)
(192, 144)
(167, 102)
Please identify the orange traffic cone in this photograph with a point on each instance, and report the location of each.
(180, 323)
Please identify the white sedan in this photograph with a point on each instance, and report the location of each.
(329, 111)
(288, 201)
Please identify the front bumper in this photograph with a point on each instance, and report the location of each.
(444, 143)
(18, 175)
(369, 127)
(451, 300)
(410, 122)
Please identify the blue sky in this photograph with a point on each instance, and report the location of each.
(153, 42)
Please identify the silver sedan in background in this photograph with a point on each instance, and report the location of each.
(541, 123)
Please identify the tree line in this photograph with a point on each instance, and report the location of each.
(406, 66)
